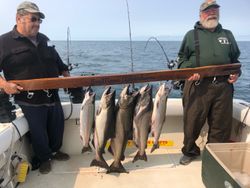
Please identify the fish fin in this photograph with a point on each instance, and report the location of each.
(123, 157)
(117, 168)
(98, 111)
(110, 150)
(153, 122)
(82, 107)
(81, 138)
(154, 147)
(136, 145)
(99, 163)
(157, 104)
(140, 111)
(86, 149)
(140, 157)
(152, 133)
(93, 143)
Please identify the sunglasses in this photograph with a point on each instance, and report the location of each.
(35, 19)
(210, 10)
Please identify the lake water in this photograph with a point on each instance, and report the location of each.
(104, 57)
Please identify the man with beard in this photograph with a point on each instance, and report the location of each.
(207, 99)
(27, 54)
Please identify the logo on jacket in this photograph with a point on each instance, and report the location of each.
(223, 40)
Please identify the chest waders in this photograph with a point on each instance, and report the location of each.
(207, 100)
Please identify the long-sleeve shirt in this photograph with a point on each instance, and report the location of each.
(216, 48)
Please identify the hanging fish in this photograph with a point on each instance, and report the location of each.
(142, 121)
(104, 128)
(87, 119)
(159, 113)
(123, 128)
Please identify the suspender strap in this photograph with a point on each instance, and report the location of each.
(197, 47)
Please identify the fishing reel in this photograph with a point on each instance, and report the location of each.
(72, 66)
(177, 84)
(171, 64)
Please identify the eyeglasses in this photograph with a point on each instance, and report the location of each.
(35, 19)
(211, 11)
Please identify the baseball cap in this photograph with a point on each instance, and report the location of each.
(30, 7)
(208, 4)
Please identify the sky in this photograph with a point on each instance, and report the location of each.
(108, 19)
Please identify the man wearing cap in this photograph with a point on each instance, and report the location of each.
(207, 99)
(27, 54)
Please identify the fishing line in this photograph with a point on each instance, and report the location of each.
(170, 64)
(20, 136)
(71, 108)
(158, 42)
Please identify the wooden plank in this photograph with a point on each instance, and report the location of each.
(135, 77)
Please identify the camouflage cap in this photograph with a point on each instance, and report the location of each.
(208, 4)
(30, 7)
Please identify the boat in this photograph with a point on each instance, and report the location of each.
(161, 169)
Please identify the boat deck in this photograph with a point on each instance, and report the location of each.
(161, 169)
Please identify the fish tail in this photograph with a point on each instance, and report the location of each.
(99, 163)
(117, 168)
(86, 149)
(138, 156)
(154, 147)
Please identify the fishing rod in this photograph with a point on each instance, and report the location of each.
(68, 41)
(176, 84)
(171, 64)
(130, 42)
(130, 38)
(70, 65)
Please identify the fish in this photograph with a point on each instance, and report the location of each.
(104, 127)
(87, 119)
(123, 128)
(159, 113)
(142, 121)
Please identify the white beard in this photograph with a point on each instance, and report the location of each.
(210, 24)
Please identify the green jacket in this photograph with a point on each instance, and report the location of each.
(216, 48)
